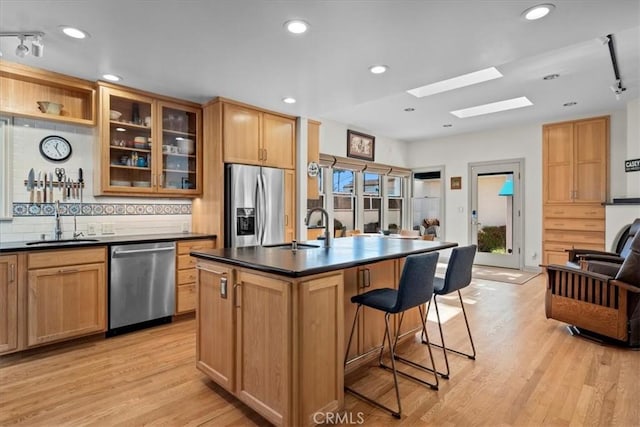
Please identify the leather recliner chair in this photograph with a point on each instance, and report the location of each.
(576, 256)
(596, 304)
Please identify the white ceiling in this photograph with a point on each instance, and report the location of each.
(198, 49)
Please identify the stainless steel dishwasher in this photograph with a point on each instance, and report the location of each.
(141, 285)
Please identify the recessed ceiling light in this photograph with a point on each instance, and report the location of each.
(296, 26)
(289, 100)
(74, 32)
(409, 109)
(569, 104)
(447, 125)
(494, 107)
(378, 69)
(456, 82)
(111, 77)
(551, 76)
(537, 12)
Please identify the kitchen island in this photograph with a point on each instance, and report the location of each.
(271, 320)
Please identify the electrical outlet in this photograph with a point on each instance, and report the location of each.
(107, 228)
(185, 227)
(92, 229)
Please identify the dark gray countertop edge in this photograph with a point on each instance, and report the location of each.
(105, 241)
(312, 271)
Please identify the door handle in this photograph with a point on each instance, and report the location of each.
(68, 271)
(223, 287)
(12, 273)
(236, 300)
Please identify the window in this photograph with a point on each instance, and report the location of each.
(5, 170)
(372, 202)
(395, 201)
(343, 201)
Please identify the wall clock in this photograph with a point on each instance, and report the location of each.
(55, 148)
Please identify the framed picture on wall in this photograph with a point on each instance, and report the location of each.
(456, 182)
(360, 146)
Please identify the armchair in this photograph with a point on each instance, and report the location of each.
(595, 303)
(576, 256)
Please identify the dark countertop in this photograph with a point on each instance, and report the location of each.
(101, 241)
(345, 252)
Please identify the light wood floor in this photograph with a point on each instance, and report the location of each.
(529, 371)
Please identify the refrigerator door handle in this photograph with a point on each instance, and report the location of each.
(257, 204)
(263, 208)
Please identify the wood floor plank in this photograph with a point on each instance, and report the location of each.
(529, 372)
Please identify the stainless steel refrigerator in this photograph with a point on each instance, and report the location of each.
(254, 205)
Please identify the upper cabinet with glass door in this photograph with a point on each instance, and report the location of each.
(149, 145)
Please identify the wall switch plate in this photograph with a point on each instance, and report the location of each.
(92, 229)
(185, 227)
(107, 228)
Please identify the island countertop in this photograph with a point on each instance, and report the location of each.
(344, 252)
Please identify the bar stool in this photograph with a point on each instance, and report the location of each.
(458, 276)
(414, 290)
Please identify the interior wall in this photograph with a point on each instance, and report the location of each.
(524, 141)
(138, 216)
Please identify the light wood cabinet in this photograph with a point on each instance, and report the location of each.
(256, 137)
(370, 328)
(215, 324)
(274, 342)
(575, 158)
(152, 148)
(313, 155)
(23, 87)
(186, 273)
(67, 294)
(289, 205)
(263, 345)
(8, 303)
(575, 161)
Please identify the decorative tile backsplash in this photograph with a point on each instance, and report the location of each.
(99, 209)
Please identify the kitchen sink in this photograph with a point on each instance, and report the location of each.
(60, 242)
(290, 246)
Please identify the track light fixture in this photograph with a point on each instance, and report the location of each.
(37, 47)
(617, 87)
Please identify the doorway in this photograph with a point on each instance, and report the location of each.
(427, 201)
(496, 212)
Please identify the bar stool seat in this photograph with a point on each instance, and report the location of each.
(414, 290)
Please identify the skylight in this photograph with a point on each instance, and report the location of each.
(456, 82)
(494, 107)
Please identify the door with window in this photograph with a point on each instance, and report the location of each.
(496, 213)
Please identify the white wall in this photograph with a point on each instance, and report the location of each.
(524, 141)
(633, 146)
(26, 137)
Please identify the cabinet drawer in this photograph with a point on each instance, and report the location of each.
(576, 211)
(186, 246)
(186, 261)
(62, 257)
(186, 298)
(561, 247)
(186, 276)
(575, 237)
(553, 257)
(574, 224)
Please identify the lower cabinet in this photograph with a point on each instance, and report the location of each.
(186, 273)
(273, 342)
(215, 324)
(8, 303)
(66, 294)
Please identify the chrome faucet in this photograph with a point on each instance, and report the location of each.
(57, 226)
(327, 232)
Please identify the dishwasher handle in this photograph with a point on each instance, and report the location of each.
(142, 251)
